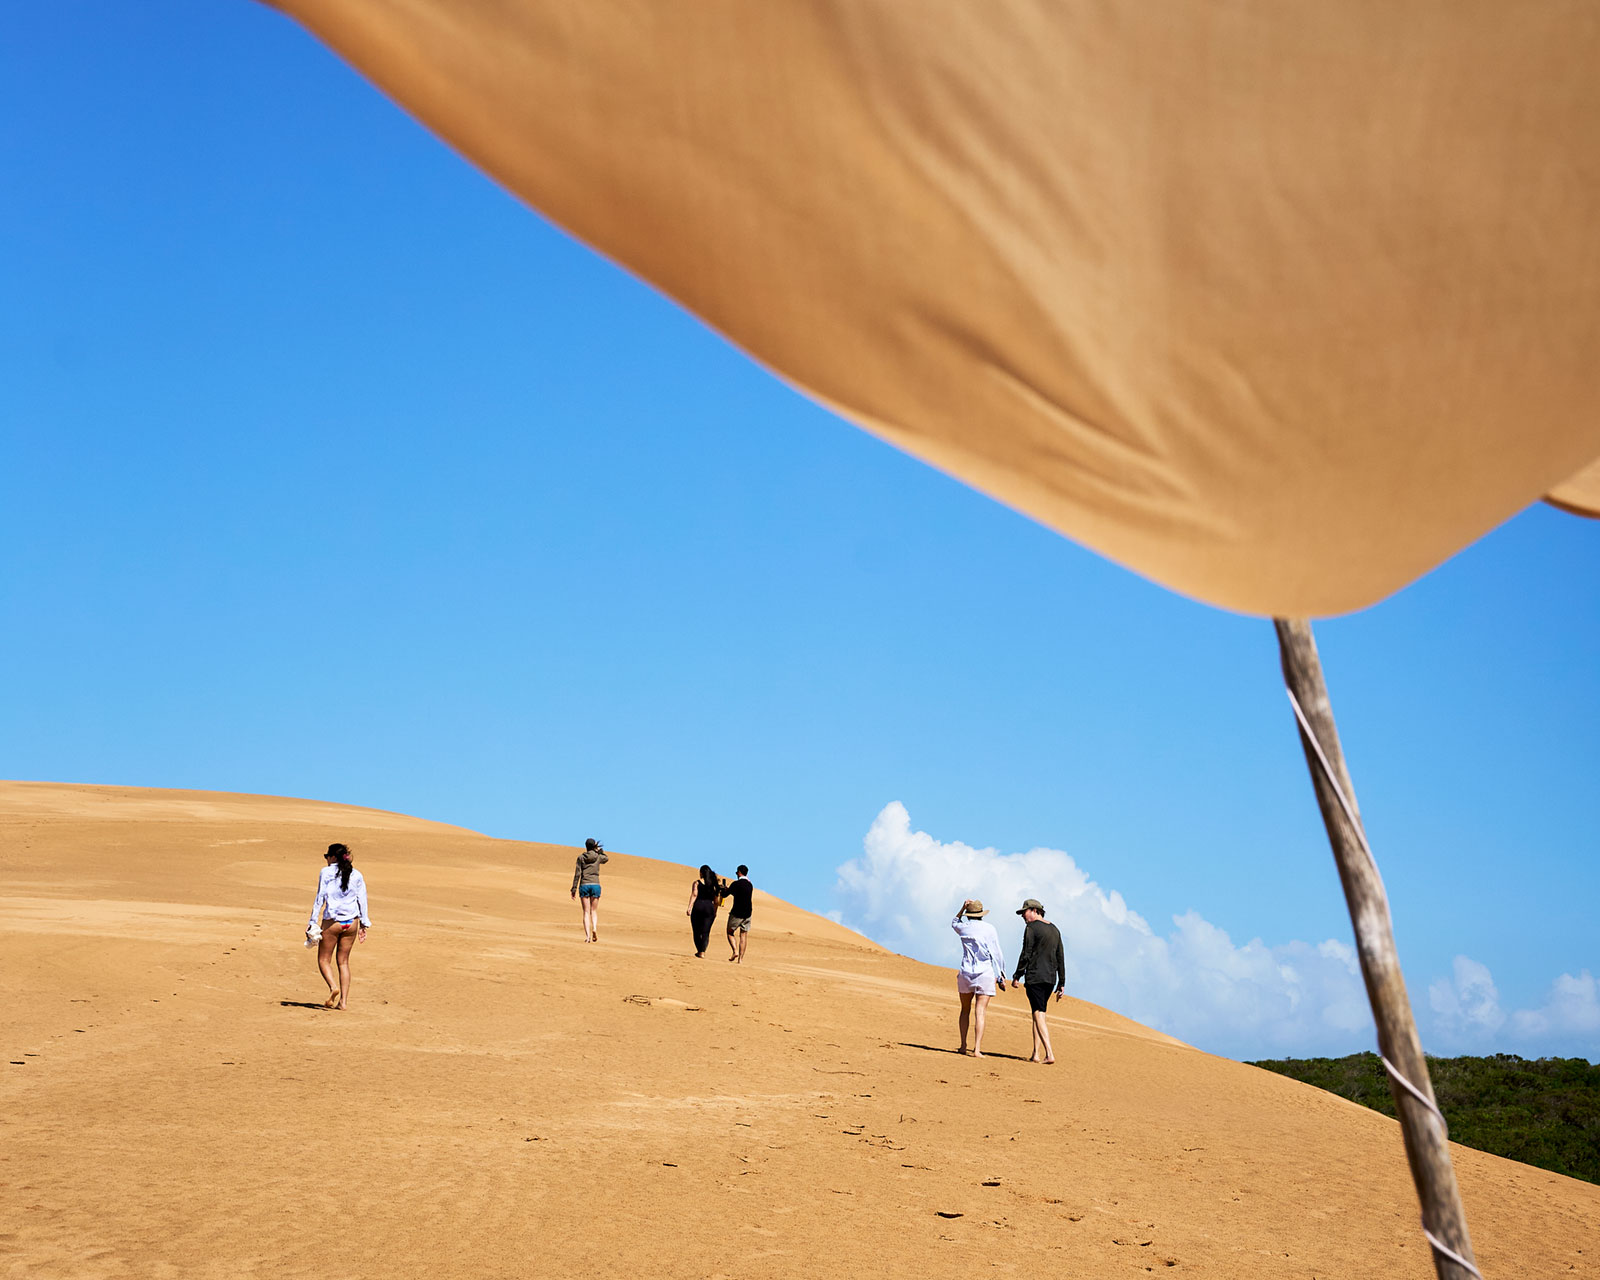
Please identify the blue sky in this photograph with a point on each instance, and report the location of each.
(328, 469)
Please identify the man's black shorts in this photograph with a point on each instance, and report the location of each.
(1039, 995)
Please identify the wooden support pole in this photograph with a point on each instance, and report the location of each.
(1427, 1148)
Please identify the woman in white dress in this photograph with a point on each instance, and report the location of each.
(338, 921)
(982, 970)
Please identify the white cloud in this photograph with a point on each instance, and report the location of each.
(1249, 1000)
(1468, 1003)
(1572, 1008)
(1469, 1017)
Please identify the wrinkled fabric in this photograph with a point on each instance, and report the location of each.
(1277, 302)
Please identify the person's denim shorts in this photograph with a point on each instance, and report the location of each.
(588, 891)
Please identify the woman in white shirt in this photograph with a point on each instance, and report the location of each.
(982, 970)
(338, 921)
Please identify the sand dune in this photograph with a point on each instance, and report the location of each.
(503, 1100)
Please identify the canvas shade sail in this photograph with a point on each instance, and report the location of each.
(1581, 493)
(1277, 302)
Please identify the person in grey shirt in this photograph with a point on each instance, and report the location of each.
(1041, 968)
(586, 886)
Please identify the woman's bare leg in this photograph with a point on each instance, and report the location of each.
(588, 918)
(966, 1016)
(594, 919)
(347, 940)
(982, 1003)
(325, 950)
(1041, 1033)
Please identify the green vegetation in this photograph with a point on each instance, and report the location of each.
(1543, 1111)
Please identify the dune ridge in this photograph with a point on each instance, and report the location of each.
(502, 1099)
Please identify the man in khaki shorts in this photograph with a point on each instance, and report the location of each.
(741, 891)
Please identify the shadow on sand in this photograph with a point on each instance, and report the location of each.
(956, 1053)
(302, 1004)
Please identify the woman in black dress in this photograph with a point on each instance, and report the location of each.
(704, 895)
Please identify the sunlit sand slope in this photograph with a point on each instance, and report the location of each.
(503, 1100)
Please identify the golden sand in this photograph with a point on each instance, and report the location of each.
(502, 1099)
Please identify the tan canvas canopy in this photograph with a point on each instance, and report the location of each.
(1278, 302)
(1581, 494)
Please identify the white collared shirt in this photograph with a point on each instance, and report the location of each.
(980, 948)
(341, 904)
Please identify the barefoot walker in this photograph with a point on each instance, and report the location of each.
(704, 895)
(1041, 969)
(338, 921)
(982, 969)
(742, 892)
(586, 886)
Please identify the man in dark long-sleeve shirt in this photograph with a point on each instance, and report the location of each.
(1041, 968)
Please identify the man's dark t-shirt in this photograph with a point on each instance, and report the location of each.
(1043, 959)
(741, 891)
